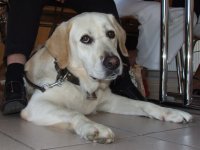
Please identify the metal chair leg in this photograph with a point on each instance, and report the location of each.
(164, 50)
(179, 66)
(187, 67)
(189, 9)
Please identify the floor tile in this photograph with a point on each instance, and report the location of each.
(186, 136)
(196, 117)
(137, 143)
(43, 137)
(8, 117)
(7, 143)
(38, 137)
(121, 134)
(135, 124)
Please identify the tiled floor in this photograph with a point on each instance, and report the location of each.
(132, 133)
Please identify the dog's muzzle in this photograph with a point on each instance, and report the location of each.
(111, 65)
(111, 62)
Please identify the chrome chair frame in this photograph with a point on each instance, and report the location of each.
(185, 68)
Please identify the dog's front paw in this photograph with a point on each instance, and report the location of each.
(177, 116)
(96, 133)
(168, 114)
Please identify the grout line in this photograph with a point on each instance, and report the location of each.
(16, 140)
(166, 140)
(168, 130)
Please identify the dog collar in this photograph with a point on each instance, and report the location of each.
(70, 77)
(63, 74)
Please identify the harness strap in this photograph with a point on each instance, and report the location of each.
(34, 85)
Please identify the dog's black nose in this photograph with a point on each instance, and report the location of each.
(111, 62)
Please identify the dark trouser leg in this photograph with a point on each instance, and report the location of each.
(23, 24)
(104, 6)
(124, 86)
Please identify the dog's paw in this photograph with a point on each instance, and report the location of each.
(177, 116)
(169, 114)
(96, 133)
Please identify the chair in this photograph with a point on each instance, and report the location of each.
(54, 13)
(183, 59)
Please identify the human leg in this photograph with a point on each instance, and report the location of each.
(23, 23)
(104, 6)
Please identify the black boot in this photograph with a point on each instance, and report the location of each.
(14, 98)
(123, 86)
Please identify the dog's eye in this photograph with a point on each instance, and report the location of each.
(110, 34)
(86, 39)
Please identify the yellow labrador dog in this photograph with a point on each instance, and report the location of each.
(69, 78)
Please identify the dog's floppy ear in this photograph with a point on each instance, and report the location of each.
(121, 35)
(58, 44)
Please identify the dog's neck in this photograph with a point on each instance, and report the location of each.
(87, 83)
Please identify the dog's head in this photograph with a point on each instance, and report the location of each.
(90, 41)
